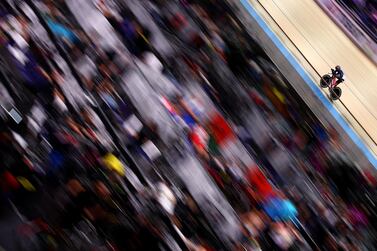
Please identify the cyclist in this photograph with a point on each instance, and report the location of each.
(338, 74)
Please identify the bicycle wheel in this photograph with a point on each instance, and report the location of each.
(335, 93)
(325, 81)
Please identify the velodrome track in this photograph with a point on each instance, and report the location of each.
(319, 44)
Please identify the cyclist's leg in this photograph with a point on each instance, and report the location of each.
(338, 81)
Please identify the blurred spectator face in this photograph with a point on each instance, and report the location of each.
(258, 220)
(191, 203)
(74, 187)
(101, 189)
(22, 22)
(86, 116)
(103, 69)
(72, 124)
(95, 212)
(255, 222)
(138, 28)
(113, 68)
(76, 53)
(153, 126)
(282, 236)
(3, 38)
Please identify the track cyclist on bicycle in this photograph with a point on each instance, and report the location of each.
(338, 74)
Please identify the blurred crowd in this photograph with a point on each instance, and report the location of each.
(114, 98)
(364, 11)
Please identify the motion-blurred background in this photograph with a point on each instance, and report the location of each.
(187, 125)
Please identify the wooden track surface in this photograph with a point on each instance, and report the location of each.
(324, 45)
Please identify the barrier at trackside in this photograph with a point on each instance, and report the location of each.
(296, 75)
(350, 27)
